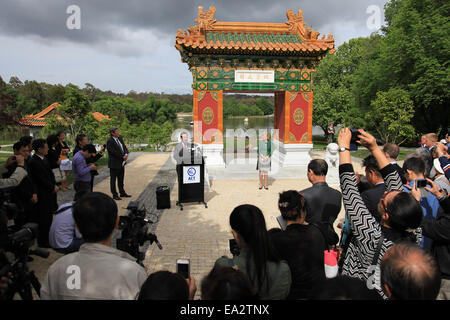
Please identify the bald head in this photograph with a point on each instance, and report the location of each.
(409, 273)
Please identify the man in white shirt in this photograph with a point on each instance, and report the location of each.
(96, 271)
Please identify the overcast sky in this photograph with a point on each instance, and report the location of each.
(129, 45)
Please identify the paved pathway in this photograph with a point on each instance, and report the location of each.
(196, 233)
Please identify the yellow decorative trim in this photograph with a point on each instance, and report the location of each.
(299, 116)
(208, 115)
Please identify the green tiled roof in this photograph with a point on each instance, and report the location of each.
(249, 37)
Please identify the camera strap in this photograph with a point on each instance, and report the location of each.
(63, 209)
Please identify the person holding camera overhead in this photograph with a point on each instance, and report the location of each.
(81, 140)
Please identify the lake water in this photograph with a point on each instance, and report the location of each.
(239, 123)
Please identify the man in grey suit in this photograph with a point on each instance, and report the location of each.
(182, 151)
(117, 157)
(322, 202)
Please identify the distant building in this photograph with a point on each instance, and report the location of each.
(35, 122)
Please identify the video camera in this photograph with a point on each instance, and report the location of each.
(135, 233)
(9, 209)
(21, 280)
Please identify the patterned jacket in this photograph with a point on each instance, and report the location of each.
(365, 229)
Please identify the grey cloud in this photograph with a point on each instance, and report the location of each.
(100, 19)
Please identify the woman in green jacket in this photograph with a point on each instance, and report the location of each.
(263, 162)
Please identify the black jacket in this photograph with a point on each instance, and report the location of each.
(372, 197)
(439, 230)
(115, 153)
(302, 246)
(322, 203)
(42, 175)
(52, 158)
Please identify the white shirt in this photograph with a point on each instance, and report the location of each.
(104, 273)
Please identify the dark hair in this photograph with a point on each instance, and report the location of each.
(226, 283)
(371, 164)
(79, 138)
(415, 164)
(59, 133)
(391, 149)
(89, 147)
(343, 288)
(18, 145)
(248, 221)
(95, 215)
(404, 212)
(26, 140)
(410, 272)
(318, 166)
(52, 139)
(164, 285)
(38, 143)
(290, 204)
(80, 194)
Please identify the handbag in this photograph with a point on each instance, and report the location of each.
(330, 255)
(66, 165)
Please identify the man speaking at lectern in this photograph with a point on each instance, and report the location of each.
(182, 151)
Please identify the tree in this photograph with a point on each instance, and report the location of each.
(415, 56)
(264, 105)
(391, 116)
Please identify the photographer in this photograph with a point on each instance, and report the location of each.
(81, 140)
(439, 231)
(25, 194)
(18, 174)
(105, 272)
(400, 212)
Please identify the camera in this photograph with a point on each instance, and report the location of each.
(234, 248)
(22, 280)
(183, 268)
(135, 233)
(353, 141)
(421, 183)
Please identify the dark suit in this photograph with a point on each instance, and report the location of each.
(44, 180)
(22, 195)
(322, 203)
(115, 164)
(372, 197)
(181, 153)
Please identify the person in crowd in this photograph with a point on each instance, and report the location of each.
(331, 133)
(104, 272)
(63, 150)
(44, 180)
(439, 231)
(302, 245)
(258, 259)
(17, 176)
(322, 202)
(372, 196)
(264, 154)
(166, 285)
(399, 212)
(444, 158)
(53, 159)
(343, 288)
(409, 273)
(81, 140)
(64, 237)
(25, 194)
(430, 140)
(117, 157)
(81, 170)
(414, 169)
(28, 141)
(226, 283)
(391, 151)
(440, 179)
(447, 140)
